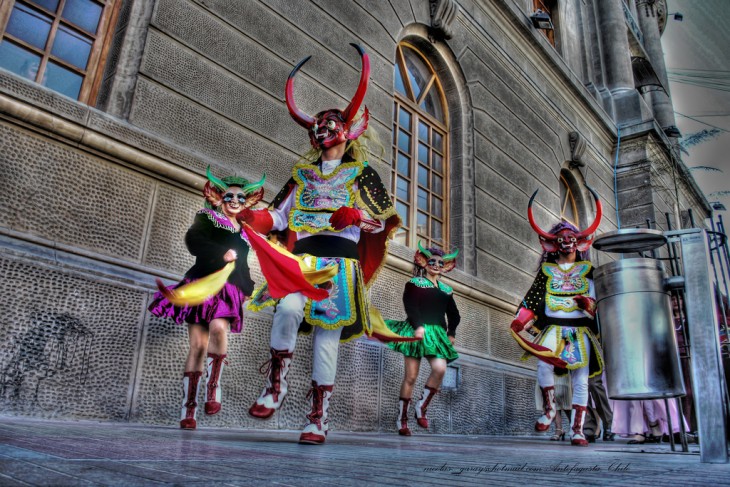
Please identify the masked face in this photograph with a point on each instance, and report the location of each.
(435, 265)
(567, 242)
(332, 127)
(328, 130)
(233, 200)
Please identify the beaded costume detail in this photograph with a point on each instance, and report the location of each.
(319, 195)
(571, 281)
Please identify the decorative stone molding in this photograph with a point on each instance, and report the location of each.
(85, 137)
(443, 14)
(662, 10)
(577, 149)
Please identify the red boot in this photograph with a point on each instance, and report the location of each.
(422, 404)
(577, 438)
(213, 393)
(315, 432)
(276, 386)
(402, 421)
(548, 407)
(190, 398)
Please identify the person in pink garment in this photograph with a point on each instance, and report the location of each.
(645, 420)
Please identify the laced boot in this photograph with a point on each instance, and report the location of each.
(577, 438)
(548, 409)
(422, 404)
(402, 421)
(190, 398)
(213, 392)
(276, 369)
(315, 432)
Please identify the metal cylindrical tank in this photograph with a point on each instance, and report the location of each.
(637, 330)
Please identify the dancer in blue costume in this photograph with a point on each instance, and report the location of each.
(333, 211)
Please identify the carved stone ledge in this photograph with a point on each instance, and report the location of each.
(443, 14)
(577, 149)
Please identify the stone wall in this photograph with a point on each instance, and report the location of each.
(80, 343)
(96, 204)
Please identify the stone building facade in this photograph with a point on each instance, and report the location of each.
(98, 188)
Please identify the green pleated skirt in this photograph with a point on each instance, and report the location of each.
(435, 342)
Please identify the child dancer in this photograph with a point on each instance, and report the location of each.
(433, 318)
(214, 239)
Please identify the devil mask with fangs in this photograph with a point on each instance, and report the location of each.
(564, 237)
(332, 127)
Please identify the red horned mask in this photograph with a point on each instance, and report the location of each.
(566, 238)
(332, 127)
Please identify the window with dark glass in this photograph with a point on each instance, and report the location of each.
(57, 43)
(420, 155)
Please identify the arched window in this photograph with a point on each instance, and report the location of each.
(420, 151)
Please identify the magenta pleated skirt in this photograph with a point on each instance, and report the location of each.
(228, 304)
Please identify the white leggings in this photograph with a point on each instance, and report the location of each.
(325, 343)
(578, 377)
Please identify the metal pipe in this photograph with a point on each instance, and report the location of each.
(672, 249)
(682, 429)
(724, 266)
(670, 426)
(721, 226)
(615, 175)
(724, 257)
(653, 251)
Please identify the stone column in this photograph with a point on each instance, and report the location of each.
(627, 104)
(661, 102)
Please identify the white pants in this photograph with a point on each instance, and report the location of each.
(578, 377)
(325, 343)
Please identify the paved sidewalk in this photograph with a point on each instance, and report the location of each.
(58, 453)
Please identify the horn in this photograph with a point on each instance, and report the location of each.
(424, 251)
(306, 121)
(349, 113)
(452, 255)
(597, 221)
(250, 188)
(538, 230)
(217, 183)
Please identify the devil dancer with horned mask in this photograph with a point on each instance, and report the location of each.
(334, 211)
(561, 306)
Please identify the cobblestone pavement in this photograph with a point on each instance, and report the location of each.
(60, 453)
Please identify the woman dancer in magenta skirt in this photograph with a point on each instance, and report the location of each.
(215, 239)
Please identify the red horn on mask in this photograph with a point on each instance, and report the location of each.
(349, 113)
(306, 121)
(542, 233)
(597, 221)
